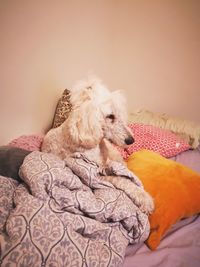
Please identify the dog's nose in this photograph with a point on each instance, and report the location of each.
(129, 140)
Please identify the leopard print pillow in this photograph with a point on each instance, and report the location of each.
(63, 109)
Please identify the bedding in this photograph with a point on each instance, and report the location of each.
(179, 246)
(174, 188)
(189, 158)
(28, 142)
(66, 216)
(155, 139)
(188, 130)
(63, 109)
(11, 158)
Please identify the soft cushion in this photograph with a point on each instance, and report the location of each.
(156, 139)
(63, 109)
(174, 187)
(11, 158)
(188, 130)
(31, 142)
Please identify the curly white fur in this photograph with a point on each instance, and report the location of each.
(98, 118)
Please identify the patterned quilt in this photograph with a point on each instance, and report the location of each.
(64, 214)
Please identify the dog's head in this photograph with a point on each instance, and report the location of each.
(97, 113)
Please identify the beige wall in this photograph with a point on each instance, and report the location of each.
(149, 48)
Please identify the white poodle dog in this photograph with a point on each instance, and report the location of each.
(96, 122)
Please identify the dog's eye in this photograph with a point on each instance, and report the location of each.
(111, 117)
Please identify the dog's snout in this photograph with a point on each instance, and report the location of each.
(129, 140)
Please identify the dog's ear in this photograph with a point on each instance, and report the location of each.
(85, 126)
(119, 101)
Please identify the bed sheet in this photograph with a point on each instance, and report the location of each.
(180, 247)
(190, 158)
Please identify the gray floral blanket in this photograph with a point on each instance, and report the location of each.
(65, 215)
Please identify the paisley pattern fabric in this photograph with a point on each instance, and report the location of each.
(64, 214)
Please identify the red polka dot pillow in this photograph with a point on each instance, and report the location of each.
(155, 139)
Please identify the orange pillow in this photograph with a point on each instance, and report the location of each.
(174, 187)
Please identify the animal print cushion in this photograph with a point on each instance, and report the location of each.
(155, 139)
(63, 109)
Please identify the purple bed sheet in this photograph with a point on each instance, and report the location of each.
(190, 158)
(181, 245)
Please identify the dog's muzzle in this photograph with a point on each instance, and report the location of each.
(129, 140)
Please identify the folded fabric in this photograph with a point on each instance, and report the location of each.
(174, 187)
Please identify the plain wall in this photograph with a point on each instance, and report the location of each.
(149, 49)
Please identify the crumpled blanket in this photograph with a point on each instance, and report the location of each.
(66, 215)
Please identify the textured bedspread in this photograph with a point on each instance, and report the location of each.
(66, 216)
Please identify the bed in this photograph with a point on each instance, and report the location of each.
(36, 237)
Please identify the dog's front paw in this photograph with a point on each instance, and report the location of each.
(142, 199)
(145, 202)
